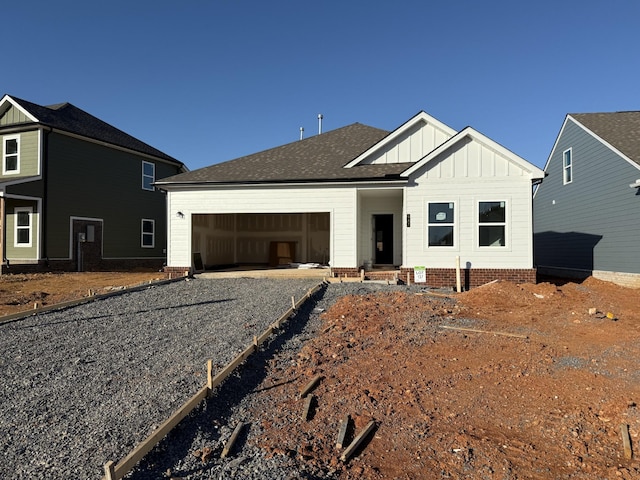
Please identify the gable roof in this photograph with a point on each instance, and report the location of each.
(71, 119)
(534, 172)
(320, 158)
(620, 130)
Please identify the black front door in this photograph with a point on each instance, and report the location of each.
(383, 239)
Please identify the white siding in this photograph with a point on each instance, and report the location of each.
(339, 202)
(376, 202)
(466, 175)
(410, 147)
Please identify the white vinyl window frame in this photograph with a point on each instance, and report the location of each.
(23, 225)
(148, 176)
(492, 224)
(567, 166)
(148, 233)
(11, 155)
(434, 223)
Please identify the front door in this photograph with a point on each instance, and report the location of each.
(383, 239)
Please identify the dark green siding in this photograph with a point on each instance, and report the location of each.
(593, 223)
(93, 181)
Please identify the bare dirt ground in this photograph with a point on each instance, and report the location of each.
(21, 292)
(542, 392)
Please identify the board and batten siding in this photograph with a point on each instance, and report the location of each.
(467, 174)
(13, 116)
(411, 146)
(339, 202)
(592, 223)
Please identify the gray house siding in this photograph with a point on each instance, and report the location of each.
(592, 223)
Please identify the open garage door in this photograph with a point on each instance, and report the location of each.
(261, 238)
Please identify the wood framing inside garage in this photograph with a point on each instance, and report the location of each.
(261, 238)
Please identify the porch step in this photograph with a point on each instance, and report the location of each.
(386, 275)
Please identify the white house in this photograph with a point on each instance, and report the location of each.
(422, 195)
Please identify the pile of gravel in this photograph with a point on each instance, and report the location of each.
(85, 385)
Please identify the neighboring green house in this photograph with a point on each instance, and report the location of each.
(77, 193)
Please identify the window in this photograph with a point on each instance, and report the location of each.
(23, 221)
(492, 224)
(440, 224)
(11, 155)
(567, 170)
(148, 175)
(148, 233)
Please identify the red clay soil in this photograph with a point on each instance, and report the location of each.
(542, 392)
(22, 292)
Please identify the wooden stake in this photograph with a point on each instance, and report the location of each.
(626, 441)
(210, 374)
(306, 411)
(358, 440)
(458, 283)
(362, 275)
(342, 433)
(110, 470)
(232, 440)
(310, 386)
(293, 303)
(408, 279)
(504, 334)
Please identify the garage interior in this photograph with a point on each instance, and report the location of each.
(260, 239)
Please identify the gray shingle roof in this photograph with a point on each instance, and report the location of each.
(315, 159)
(69, 118)
(620, 129)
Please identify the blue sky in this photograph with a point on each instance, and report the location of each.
(211, 80)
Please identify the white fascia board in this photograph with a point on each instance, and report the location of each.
(204, 185)
(534, 172)
(605, 143)
(7, 99)
(422, 116)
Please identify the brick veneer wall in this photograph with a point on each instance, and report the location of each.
(175, 272)
(342, 271)
(470, 278)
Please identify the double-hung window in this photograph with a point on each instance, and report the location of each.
(148, 175)
(11, 155)
(441, 223)
(492, 224)
(23, 226)
(148, 234)
(567, 167)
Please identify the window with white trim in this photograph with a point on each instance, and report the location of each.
(567, 167)
(440, 224)
(492, 224)
(148, 175)
(23, 226)
(148, 233)
(11, 155)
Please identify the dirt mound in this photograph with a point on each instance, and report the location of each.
(504, 381)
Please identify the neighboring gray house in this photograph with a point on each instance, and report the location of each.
(77, 193)
(587, 211)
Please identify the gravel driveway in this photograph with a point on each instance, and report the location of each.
(85, 385)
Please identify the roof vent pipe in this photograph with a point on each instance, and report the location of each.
(301, 133)
(320, 123)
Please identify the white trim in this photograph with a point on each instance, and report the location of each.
(16, 227)
(533, 171)
(419, 117)
(10, 100)
(506, 224)
(4, 154)
(143, 233)
(144, 175)
(568, 168)
(455, 224)
(315, 184)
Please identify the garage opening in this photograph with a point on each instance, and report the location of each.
(261, 239)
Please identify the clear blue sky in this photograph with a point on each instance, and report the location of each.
(211, 80)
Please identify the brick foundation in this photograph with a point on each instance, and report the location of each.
(345, 271)
(470, 278)
(175, 272)
(70, 266)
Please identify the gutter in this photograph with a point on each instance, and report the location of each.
(296, 183)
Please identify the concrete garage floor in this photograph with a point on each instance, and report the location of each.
(258, 271)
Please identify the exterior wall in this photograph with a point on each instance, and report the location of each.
(13, 116)
(374, 202)
(29, 155)
(470, 278)
(412, 146)
(592, 223)
(339, 201)
(466, 175)
(88, 180)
